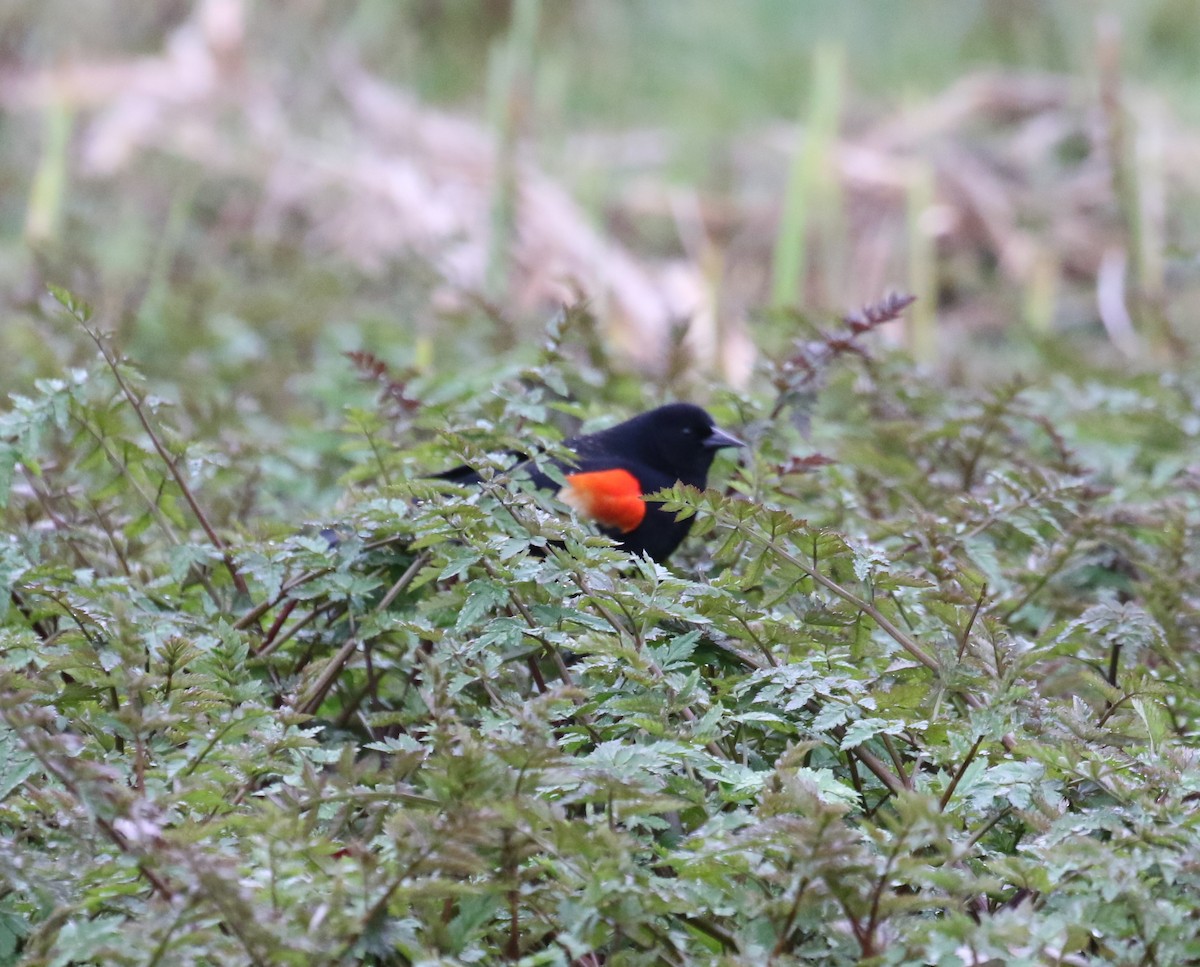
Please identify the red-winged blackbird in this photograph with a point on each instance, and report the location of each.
(615, 468)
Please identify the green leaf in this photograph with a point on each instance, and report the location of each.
(81, 310)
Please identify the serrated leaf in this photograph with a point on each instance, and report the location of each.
(860, 730)
(482, 597)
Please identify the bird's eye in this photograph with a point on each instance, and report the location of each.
(687, 431)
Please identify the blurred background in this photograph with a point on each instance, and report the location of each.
(246, 190)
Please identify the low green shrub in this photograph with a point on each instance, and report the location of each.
(920, 688)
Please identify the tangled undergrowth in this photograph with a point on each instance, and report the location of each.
(920, 688)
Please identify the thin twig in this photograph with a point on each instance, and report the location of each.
(166, 457)
(959, 773)
(965, 636)
(312, 700)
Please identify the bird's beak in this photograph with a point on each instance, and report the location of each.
(718, 439)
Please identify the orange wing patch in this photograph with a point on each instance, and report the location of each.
(610, 497)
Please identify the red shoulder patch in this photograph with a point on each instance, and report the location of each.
(610, 497)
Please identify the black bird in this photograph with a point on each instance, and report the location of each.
(615, 469)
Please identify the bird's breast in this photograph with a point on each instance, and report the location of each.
(612, 498)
